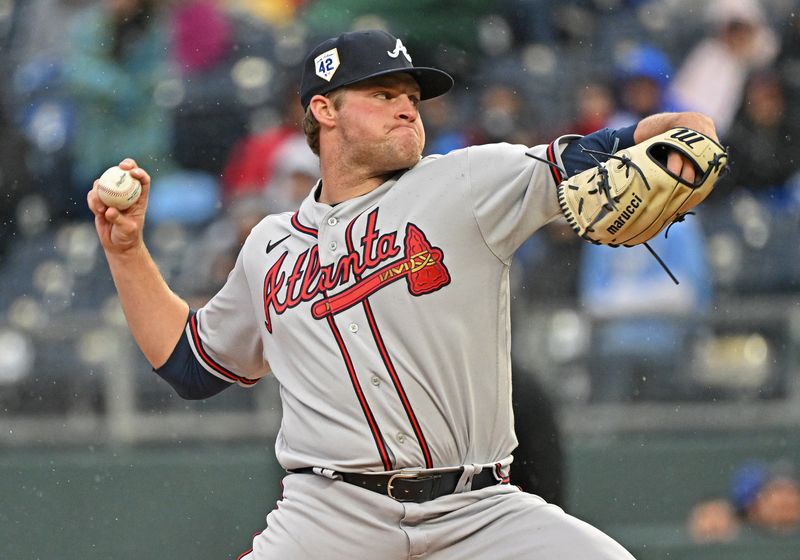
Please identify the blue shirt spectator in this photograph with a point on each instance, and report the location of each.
(643, 322)
(117, 57)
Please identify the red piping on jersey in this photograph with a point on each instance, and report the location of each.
(301, 228)
(255, 535)
(398, 386)
(498, 474)
(551, 157)
(373, 325)
(209, 360)
(373, 425)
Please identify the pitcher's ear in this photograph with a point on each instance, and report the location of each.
(323, 109)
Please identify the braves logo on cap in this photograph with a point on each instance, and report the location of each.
(327, 63)
(399, 47)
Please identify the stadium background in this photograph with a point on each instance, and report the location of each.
(98, 459)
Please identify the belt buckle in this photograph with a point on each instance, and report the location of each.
(403, 475)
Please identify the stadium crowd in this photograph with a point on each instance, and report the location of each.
(203, 94)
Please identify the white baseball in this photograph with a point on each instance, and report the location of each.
(118, 189)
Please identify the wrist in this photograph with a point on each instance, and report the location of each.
(662, 122)
(125, 255)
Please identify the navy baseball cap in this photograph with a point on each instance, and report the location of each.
(358, 55)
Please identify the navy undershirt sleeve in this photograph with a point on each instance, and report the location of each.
(185, 374)
(605, 140)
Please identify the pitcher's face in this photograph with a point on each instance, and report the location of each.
(380, 123)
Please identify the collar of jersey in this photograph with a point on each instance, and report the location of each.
(313, 213)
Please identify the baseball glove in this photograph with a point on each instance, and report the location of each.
(632, 196)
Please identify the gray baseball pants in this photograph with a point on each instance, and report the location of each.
(320, 518)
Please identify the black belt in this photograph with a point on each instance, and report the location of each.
(410, 486)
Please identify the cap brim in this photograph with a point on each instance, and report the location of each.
(432, 81)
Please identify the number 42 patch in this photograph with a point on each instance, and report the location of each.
(326, 64)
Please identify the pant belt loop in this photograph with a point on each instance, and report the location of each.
(465, 481)
(327, 473)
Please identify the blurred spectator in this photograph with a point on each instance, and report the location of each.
(116, 61)
(534, 21)
(14, 182)
(444, 133)
(763, 496)
(643, 324)
(210, 258)
(202, 35)
(788, 60)
(504, 115)
(712, 77)
(776, 505)
(296, 170)
(36, 104)
(35, 28)
(764, 141)
(208, 117)
(442, 32)
(594, 106)
(274, 12)
(555, 22)
(713, 521)
(254, 160)
(643, 73)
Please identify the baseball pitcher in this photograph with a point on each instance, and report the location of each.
(382, 308)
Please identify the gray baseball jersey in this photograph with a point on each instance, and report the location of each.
(385, 318)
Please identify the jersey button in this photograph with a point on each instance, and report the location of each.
(401, 437)
(332, 221)
(332, 246)
(375, 380)
(353, 328)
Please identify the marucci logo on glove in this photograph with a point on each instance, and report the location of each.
(629, 211)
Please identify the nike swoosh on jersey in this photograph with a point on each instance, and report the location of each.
(271, 245)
